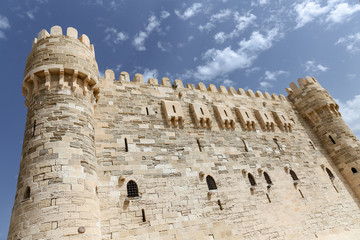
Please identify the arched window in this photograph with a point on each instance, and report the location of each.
(132, 189)
(211, 182)
(251, 179)
(354, 170)
(267, 178)
(331, 175)
(27, 193)
(293, 175)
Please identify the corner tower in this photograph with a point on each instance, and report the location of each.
(56, 191)
(316, 105)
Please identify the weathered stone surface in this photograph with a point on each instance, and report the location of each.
(86, 139)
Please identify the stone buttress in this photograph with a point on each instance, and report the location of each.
(316, 105)
(56, 192)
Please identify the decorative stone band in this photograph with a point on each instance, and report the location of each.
(68, 79)
(330, 108)
(71, 32)
(178, 84)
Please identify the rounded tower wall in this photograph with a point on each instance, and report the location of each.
(56, 193)
(316, 105)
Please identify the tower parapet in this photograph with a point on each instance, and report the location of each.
(56, 192)
(316, 105)
(61, 62)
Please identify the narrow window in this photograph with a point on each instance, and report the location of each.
(283, 117)
(266, 116)
(247, 114)
(199, 145)
(147, 111)
(132, 189)
(27, 193)
(126, 145)
(267, 195)
(332, 140)
(301, 193)
(202, 112)
(174, 108)
(292, 120)
(219, 203)
(225, 113)
(293, 175)
(312, 144)
(251, 179)
(354, 170)
(211, 182)
(331, 175)
(267, 178)
(34, 128)
(143, 215)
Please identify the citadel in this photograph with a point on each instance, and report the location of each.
(107, 158)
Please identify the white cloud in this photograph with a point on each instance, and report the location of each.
(220, 62)
(228, 83)
(350, 111)
(259, 2)
(4, 24)
(342, 12)
(251, 70)
(312, 67)
(114, 36)
(351, 42)
(334, 11)
(307, 11)
(264, 86)
(30, 14)
(189, 12)
(150, 73)
(164, 46)
(221, 16)
(153, 23)
(242, 22)
(272, 76)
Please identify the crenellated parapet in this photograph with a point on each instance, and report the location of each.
(178, 84)
(61, 62)
(312, 100)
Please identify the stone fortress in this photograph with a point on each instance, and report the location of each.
(120, 159)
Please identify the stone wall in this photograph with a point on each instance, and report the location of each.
(106, 159)
(164, 158)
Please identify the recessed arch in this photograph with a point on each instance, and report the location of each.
(267, 178)
(132, 189)
(331, 175)
(251, 179)
(27, 193)
(211, 182)
(293, 175)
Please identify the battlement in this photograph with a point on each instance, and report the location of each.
(72, 33)
(295, 90)
(58, 62)
(178, 84)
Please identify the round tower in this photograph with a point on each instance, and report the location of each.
(56, 192)
(316, 105)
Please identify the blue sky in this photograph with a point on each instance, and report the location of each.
(255, 44)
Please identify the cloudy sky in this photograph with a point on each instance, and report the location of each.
(256, 44)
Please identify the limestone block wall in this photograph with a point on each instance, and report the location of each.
(171, 163)
(107, 159)
(316, 105)
(56, 191)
